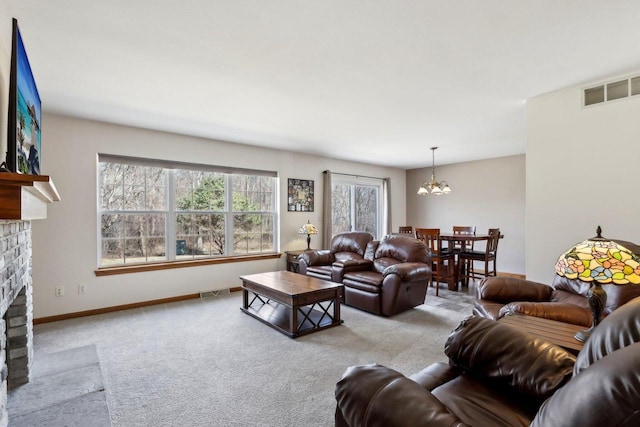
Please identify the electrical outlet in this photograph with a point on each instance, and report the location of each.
(82, 288)
(59, 291)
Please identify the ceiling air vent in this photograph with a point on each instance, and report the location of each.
(611, 91)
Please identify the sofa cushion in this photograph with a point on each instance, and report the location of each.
(606, 394)
(533, 367)
(478, 404)
(372, 247)
(573, 286)
(322, 257)
(508, 289)
(381, 264)
(351, 242)
(370, 278)
(403, 249)
(611, 335)
(346, 256)
(324, 270)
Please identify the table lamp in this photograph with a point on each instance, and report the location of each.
(308, 229)
(599, 261)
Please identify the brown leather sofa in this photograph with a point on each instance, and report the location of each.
(392, 275)
(345, 248)
(565, 300)
(499, 375)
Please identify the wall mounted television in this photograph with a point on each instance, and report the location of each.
(24, 124)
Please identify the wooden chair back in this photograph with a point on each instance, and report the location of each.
(489, 255)
(430, 236)
(492, 243)
(442, 264)
(465, 229)
(406, 229)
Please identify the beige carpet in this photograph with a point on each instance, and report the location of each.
(205, 363)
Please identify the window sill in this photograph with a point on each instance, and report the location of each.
(138, 268)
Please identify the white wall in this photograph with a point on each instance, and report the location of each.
(65, 244)
(582, 171)
(485, 193)
(5, 65)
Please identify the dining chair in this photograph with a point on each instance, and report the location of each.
(431, 236)
(487, 256)
(406, 229)
(464, 245)
(464, 229)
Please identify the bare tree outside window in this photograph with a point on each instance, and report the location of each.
(366, 209)
(209, 208)
(341, 208)
(355, 208)
(133, 219)
(253, 204)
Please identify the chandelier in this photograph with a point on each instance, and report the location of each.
(433, 186)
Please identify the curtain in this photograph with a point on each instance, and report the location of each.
(327, 233)
(386, 206)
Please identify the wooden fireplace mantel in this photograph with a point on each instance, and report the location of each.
(25, 197)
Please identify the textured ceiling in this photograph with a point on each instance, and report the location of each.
(365, 80)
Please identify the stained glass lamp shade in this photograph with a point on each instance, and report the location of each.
(599, 261)
(308, 229)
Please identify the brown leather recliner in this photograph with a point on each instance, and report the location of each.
(395, 280)
(499, 376)
(345, 247)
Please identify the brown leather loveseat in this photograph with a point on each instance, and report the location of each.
(565, 300)
(499, 376)
(344, 248)
(392, 275)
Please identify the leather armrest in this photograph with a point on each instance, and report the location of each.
(605, 394)
(354, 264)
(506, 355)
(323, 257)
(508, 289)
(435, 375)
(376, 396)
(409, 271)
(562, 312)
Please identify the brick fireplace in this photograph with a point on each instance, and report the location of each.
(23, 198)
(16, 321)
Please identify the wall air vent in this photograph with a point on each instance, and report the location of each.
(611, 91)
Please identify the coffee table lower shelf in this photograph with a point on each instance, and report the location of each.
(278, 316)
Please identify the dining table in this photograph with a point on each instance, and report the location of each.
(452, 238)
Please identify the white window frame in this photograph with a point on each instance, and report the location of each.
(367, 182)
(171, 210)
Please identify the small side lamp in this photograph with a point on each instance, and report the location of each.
(308, 229)
(599, 261)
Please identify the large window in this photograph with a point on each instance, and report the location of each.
(356, 205)
(154, 211)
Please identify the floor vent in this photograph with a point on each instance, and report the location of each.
(211, 294)
(611, 91)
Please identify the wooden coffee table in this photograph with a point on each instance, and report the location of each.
(558, 333)
(291, 303)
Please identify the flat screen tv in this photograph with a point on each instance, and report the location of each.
(24, 124)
